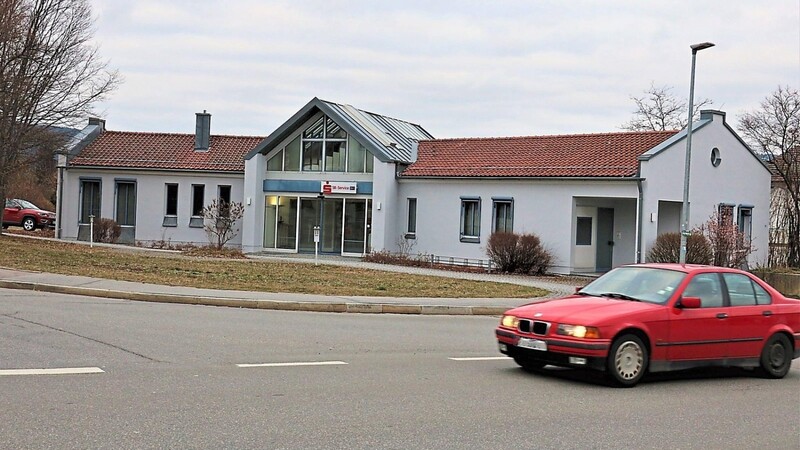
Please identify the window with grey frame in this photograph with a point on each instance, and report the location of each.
(171, 206)
(502, 215)
(90, 200)
(470, 220)
(198, 203)
(126, 203)
(745, 222)
(411, 224)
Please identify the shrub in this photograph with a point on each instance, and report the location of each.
(730, 246)
(515, 253)
(667, 249)
(106, 230)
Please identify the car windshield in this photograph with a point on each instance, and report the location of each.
(26, 204)
(647, 284)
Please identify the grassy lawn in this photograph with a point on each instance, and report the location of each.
(237, 274)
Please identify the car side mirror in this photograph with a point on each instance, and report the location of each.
(690, 302)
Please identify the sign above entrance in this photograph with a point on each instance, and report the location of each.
(337, 187)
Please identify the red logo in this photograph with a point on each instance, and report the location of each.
(327, 189)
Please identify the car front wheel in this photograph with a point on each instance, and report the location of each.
(28, 224)
(627, 361)
(776, 358)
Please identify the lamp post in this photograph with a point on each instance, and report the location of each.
(685, 209)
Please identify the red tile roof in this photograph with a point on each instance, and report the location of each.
(579, 155)
(125, 149)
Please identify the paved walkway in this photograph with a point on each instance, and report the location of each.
(96, 287)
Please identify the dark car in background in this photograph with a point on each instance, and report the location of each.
(25, 214)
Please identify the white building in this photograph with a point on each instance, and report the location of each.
(154, 185)
(372, 183)
(596, 200)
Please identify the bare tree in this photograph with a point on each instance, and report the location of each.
(774, 131)
(50, 74)
(220, 223)
(659, 110)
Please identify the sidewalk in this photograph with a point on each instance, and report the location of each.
(96, 287)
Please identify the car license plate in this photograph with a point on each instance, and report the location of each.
(533, 344)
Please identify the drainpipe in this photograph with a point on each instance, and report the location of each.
(639, 215)
(62, 166)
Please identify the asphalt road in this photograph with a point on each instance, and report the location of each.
(171, 378)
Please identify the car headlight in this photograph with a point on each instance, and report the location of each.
(578, 331)
(510, 321)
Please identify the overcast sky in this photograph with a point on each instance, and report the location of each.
(458, 68)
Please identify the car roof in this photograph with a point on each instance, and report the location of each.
(686, 268)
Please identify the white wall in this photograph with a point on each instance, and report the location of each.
(387, 206)
(739, 179)
(543, 207)
(253, 191)
(150, 202)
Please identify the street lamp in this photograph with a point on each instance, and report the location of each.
(685, 209)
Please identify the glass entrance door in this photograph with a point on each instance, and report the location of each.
(309, 217)
(327, 213)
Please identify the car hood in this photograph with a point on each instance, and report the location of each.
(582, 310)
(41, 211)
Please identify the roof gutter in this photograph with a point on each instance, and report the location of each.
(633, 178)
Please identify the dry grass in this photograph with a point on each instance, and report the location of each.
(236, 274)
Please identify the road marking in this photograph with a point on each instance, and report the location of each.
(63, 371)
(293, 364)
(480, 358)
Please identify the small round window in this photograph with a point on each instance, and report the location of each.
(716, 159)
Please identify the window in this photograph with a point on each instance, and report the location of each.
(90, 200)
(276, 162)
(503, 215)
(171, 209)
(707, 287)
(725, 214)
(224, 196)
(291, 162)
(583, 231)
(322, 147)
(126, 203)
(742, 291)
(172, 200)
(745, 222)
(312, 156)
(411, 229)
(198, 203)
(470, 219)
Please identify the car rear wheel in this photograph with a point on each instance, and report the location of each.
(528, 363)
(627, 361)
(28, 224)
(776, 358)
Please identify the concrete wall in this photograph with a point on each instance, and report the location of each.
(543, 207)
(150, 202)
(740, 179)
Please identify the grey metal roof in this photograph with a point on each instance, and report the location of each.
(390, 140)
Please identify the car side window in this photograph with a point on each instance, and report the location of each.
(762, 296)
(707, 287)
(741, 291)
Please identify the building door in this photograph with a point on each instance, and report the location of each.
(605, 239)
(326, 213)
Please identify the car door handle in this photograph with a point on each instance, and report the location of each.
(722, 316)
(766, 313)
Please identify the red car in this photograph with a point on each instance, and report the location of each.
(26, 215)
(658, 317)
